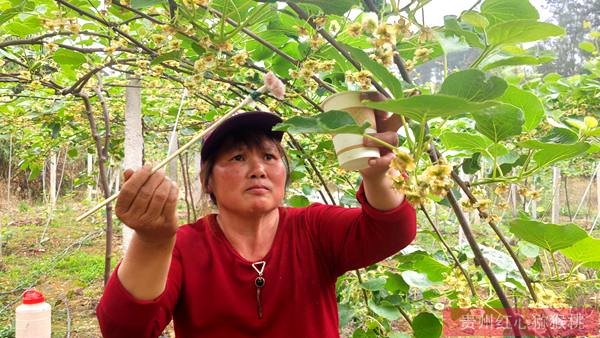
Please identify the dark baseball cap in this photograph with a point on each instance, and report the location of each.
(259, 121)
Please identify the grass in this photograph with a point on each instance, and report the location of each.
(67, 267)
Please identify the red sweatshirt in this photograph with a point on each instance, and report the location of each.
(211, 289)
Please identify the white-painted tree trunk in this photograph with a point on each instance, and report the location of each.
(513, 199)
(555, 195)
(9, 171)
(134, 139)
(90, 164)
(52, 185)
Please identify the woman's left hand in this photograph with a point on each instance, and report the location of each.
(387, 131)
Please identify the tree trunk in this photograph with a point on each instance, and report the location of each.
(555, 195)
(134, 139)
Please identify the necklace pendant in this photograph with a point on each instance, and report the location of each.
(259, 282)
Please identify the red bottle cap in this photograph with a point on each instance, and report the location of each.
(32, 296)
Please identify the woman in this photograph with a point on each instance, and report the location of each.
(255, 269)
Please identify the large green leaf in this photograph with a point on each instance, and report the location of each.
(465, 141)
(429, 106)
(499, 122)
(331, 122)
(453, 28)
(69, 57)
(586, 250)
(560, 135)
(417, 280)
(551, 237)
(533, 110)
(421, 261)
(473, 85)
(378, 70)
(506, 10)
(385, 310)
(518, 61)
(426, 325)
(29, 25)
(520, 31)
(338, 7)
(552, 152)
(374, 284)
(395, 283)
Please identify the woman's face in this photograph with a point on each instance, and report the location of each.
(249, 180)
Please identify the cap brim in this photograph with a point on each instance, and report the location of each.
(256, 120)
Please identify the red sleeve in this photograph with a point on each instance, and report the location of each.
(352, 238)
(121, 315)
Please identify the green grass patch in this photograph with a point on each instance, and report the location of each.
(82, 267)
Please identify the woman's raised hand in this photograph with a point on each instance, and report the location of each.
(387, 131)
(147, 204)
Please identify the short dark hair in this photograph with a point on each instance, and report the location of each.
(253, 140)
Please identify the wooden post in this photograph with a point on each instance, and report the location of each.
(134, 139)
(52, 185)
(555, 195)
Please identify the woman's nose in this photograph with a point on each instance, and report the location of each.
(257, 167)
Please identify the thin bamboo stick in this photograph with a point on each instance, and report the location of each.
(191, 142)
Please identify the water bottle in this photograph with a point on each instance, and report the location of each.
(33, 316)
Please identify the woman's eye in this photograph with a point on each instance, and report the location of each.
(269, 157)
(238, 157)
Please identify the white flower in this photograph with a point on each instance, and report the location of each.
(370, 21)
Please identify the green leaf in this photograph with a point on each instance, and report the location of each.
(174, 55)
(475, 19)
(69, 57)
(22, 28)
(529, 250)
(374, 284)
(533, 110)
(560, 135)
(395, 283)
(429, 106)
(338, 7)
(506, 10)
(499, 122)
(471, 165)
(385, 310)
(586, 250)
(427, 325)
(465, 141)
(453, 28)
(417, 280)
(345, 314)
(298, 201)
(518, 61)
(551, 237)
(520, 31)
(421, 261)
(337, 122)
(378, 70)
(472, 85)
(587, 46)
(552, 152)
(139, 4)
(299, 124)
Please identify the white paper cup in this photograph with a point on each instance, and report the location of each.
(351, 153)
